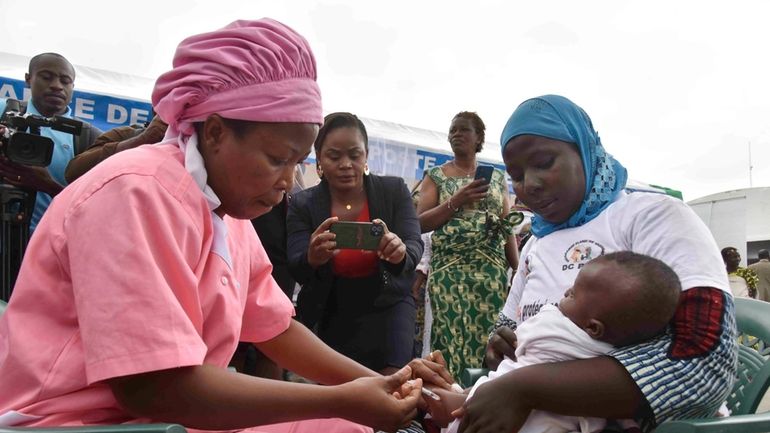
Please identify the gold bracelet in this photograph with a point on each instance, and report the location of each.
(450, 207)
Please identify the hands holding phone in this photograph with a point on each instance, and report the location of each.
(476, 190)
(391, 248)
(322, 244)
(332, 234)
(470, 193)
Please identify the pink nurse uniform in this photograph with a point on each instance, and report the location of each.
(126, 274)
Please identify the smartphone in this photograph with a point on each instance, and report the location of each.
(484, 172)
(354, 235)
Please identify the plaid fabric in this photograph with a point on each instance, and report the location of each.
(697, 323)
(688, 371)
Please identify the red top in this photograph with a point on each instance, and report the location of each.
(355, 263)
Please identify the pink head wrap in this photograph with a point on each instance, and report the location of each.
(260, 70)
(249, 70)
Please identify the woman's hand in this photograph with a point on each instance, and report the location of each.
(322, 244)
(470, 193)
(384, 403)
(502, 343)
(391, 248)
(432, 370)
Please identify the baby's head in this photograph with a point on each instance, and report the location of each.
(622, 298)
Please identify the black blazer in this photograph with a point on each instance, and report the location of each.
(271, 229)
(390, 201)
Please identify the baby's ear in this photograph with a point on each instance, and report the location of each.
(595, 329)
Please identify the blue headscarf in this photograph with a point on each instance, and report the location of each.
(558, 118)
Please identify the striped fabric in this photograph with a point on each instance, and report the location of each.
(413, 427)
(680, 376)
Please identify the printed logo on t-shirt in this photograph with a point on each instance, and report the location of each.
(529, 310)
(581, 253)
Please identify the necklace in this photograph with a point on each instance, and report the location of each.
(349, 204)
(466, 174)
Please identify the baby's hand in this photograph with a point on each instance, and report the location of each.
(441, 410)
(501, 343)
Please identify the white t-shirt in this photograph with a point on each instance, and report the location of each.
(738, 286)
(647, 223)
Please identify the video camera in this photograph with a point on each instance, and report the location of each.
(30, 148)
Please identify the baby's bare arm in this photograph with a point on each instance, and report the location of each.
(441, 410)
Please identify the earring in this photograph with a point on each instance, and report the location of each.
(366, 169)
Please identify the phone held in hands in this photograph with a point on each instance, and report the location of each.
(484, 172)
(355, 235)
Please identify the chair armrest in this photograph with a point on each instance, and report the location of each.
(114, 428)
(469, 376)
(753, 423)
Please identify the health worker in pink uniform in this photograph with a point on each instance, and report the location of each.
(146, 272)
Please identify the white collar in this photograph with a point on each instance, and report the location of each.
(194, 164)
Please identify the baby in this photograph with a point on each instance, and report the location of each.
(617, 299)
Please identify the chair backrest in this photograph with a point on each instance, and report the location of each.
(753, 320)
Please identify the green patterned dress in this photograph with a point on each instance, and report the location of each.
(468, 281)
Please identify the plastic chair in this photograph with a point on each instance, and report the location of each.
(469, 376)
(753, 377)
(115, 428)
(753, 319)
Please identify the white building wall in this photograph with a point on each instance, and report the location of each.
(736, 217)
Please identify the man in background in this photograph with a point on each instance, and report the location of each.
(51, 80)
(762, 269)
(28, 190)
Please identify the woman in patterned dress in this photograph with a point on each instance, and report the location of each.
(473, 246)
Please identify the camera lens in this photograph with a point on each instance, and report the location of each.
(30, 149)
(377, 230)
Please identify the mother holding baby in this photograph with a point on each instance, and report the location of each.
(577, 192)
